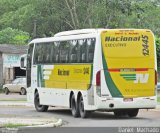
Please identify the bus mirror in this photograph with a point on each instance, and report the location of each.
(23, 62)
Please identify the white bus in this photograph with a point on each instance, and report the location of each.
(93, 69)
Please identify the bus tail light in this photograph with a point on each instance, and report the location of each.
(98, 83)
(156, 76)
(98, 78)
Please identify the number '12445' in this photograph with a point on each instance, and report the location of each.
(145, 50)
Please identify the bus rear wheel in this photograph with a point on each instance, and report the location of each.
(132, 112)
(74, 107)
(126, 112)
(120, 113)
(39, 108)
(83, 113)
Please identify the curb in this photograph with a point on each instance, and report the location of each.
(57, 124)
(16, 104)
(15, 130)
(51, 125)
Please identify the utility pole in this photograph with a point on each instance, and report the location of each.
(34, 28)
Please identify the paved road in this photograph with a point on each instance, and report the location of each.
(97, 119)
(106, 119)
(12, 97)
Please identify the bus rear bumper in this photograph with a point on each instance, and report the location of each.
(119, 103)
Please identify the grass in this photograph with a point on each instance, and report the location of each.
(11, 125)
(14, 100)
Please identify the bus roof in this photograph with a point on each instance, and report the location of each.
(83, 32)
(65, 34)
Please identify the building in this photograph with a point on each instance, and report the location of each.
(10, 62)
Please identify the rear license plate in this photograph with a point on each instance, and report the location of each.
(128, 99)
(127, 70)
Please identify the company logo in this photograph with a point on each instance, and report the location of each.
(122, 38)
(137, 78)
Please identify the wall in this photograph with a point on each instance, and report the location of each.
(10, 61)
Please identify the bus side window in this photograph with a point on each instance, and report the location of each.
(73, 58)
(42, 54)
(47, 58)
(37, 54)
(48, 53)
(90, 57)
(63, 58)
(74, 51)
(56, 52)
(29, 64)
(36, 58)
(70, 51)
(91, 47)
(83, 57)
(83, 52)
(56, 60)
(64, 52)
(91, 53)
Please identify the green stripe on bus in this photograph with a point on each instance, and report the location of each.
(40, 76)
(128, 75)
(91, 77)
(130, 79)
(110, 83)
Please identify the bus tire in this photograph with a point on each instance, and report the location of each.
(83, 113)
(74, 107)
(120, 113)
(39, 108)
(133, 112)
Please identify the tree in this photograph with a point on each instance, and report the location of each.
(52, 16)
(13, 36)
(158, 51)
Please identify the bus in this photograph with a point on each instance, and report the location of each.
(90, 70)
